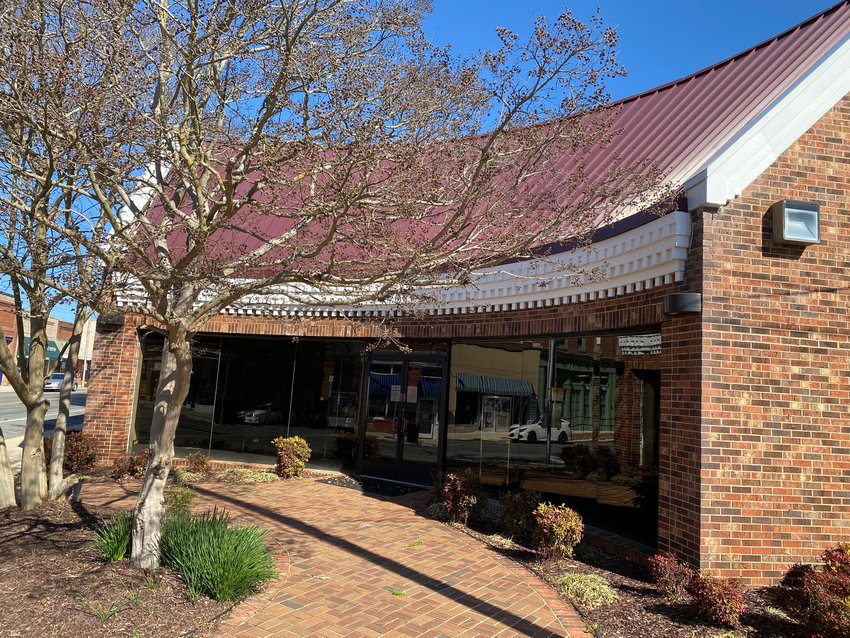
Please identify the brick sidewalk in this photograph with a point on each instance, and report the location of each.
(360, 565)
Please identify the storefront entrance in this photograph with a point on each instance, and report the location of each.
(401, 423)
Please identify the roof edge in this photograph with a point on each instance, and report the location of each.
(733, 58)
(773, 131)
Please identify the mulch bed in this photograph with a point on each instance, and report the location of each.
(52, 584)
(373, 486)
(640, 611)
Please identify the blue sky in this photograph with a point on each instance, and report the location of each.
(660, 40)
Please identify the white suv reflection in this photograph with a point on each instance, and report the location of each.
(534, 431)
(264, 413)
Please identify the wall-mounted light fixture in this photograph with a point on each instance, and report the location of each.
(796, 223)
(680, 303)
(108, 323)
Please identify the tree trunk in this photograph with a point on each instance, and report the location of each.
(57, 456)
(33, 469)
(170, 393)
(7, 481)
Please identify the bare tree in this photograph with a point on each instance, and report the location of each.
(326, 152)
(53, 90)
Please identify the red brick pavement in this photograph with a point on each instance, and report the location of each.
(359, 565)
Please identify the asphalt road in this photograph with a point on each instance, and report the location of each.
(13, 419)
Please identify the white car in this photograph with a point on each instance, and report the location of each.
(534, 431)
(263, 413)
(54, 382)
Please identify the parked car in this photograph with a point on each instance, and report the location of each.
(534, 431)
(263, 413)
(54, 381)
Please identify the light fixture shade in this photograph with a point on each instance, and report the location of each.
(796, 223)
(680, 303)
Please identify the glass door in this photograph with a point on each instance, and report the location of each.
(402, 417)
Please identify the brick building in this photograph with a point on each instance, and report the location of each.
(58, 331)
(698, 395)
(7, 323)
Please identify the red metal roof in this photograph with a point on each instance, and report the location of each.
(679, 126)
(683, 124)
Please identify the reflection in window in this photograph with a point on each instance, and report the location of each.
(246, 391)
(384, 390)
(580, 430)
(607, 397)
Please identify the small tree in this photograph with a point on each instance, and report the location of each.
(323, 150)
(47, 105)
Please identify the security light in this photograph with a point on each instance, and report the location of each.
(681, 303)
(796, 223)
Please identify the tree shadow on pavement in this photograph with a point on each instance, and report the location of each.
(504, 616)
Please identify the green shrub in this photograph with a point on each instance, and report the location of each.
(198, 463)
(824, 600)
(460, 495)
(589, 591)
(517, 518)
(181, 477)
(372, 451)
(671, 576)
(346, 448)
(718, 600)
(558, 530)
(488, 516)
(348, 445)
(113, 538)
(223, 561)
(607, 464)
(132, 466)
(579, 459)
(80, 452)
(292, 456)
(437, 511)
(245, 476)
(179, 499)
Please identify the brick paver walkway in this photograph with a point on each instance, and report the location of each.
(359, 565)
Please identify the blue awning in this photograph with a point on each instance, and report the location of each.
(430, 387)
(381, 384)
(499, 386)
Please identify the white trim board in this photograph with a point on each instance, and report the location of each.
(755, 148)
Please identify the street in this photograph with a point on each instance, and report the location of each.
(13, 419)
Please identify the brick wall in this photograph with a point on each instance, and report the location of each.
(679, 460)
(638, 309)
(113, 381)
(775, 387)
(64, 330)
(8, 317)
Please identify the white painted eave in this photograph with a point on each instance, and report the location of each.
(644, 257)
(725, 176)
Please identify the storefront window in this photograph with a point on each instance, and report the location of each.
(247, 391)
(582, 430)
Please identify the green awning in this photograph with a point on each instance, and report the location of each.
(54, 348)
(499, 386)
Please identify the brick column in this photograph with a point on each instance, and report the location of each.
(112, 389)
(679, 454)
